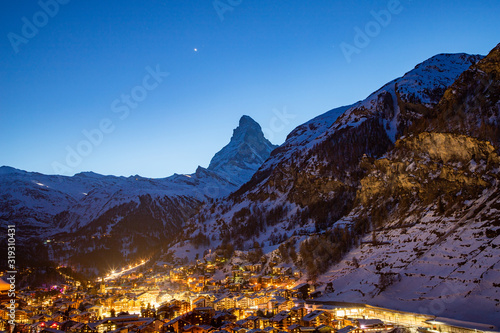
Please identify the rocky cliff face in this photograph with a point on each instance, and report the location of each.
(471, 106)
(430, 214)
(429, 166)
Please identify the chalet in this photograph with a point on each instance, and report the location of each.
(234, 287)
(176, 325)
(281, 320)
(112, 323)
(285, 293)
(245, 323)
(266, 281)
(273, 303)
(153, 326)
(245, 302)
(39, 318)
(302, 290)
(261, 301)
(59, 316)
(109, 302)
(184, 306)
(280, 270)
(270, 329)
(148, 312)
(200, 316)
(228, 302)
(296, 314)
(199, 302)
(67, 325)
(222, 317)
(105, 326)
(258, 322)
(264, 322)
(316, 318)
(253, 267)
(228, 327)
(295, 328)
(198, 329)
(168, 311)
(83, 317)
(285, 305)
(83, 328)
(125, 329)
(96, 310)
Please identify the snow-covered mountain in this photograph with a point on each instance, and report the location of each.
(90, 206)
(312, 179)
(245, 153)
(432, 245)
(394, 199)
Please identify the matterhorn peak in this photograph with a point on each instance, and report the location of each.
(246, 151)
(247, 130)
(247, 121)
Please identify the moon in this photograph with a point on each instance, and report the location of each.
(195, 49)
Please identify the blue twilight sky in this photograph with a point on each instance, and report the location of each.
(281, 62)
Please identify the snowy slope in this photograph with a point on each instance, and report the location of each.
(452, 276)
(439, 253)
(27, 195)
(89, 205)
(432, 205)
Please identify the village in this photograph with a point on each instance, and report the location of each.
(205, 297)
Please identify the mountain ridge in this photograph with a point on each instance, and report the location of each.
(351, 199)
(89, 203)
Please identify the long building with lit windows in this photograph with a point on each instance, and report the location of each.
(354, 311)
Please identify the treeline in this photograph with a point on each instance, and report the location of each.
(250, 222)
(200, 239)
(318, 253)
(287, 251)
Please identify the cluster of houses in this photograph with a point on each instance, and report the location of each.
(64, 313)
(202, 298)
(179, 300)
